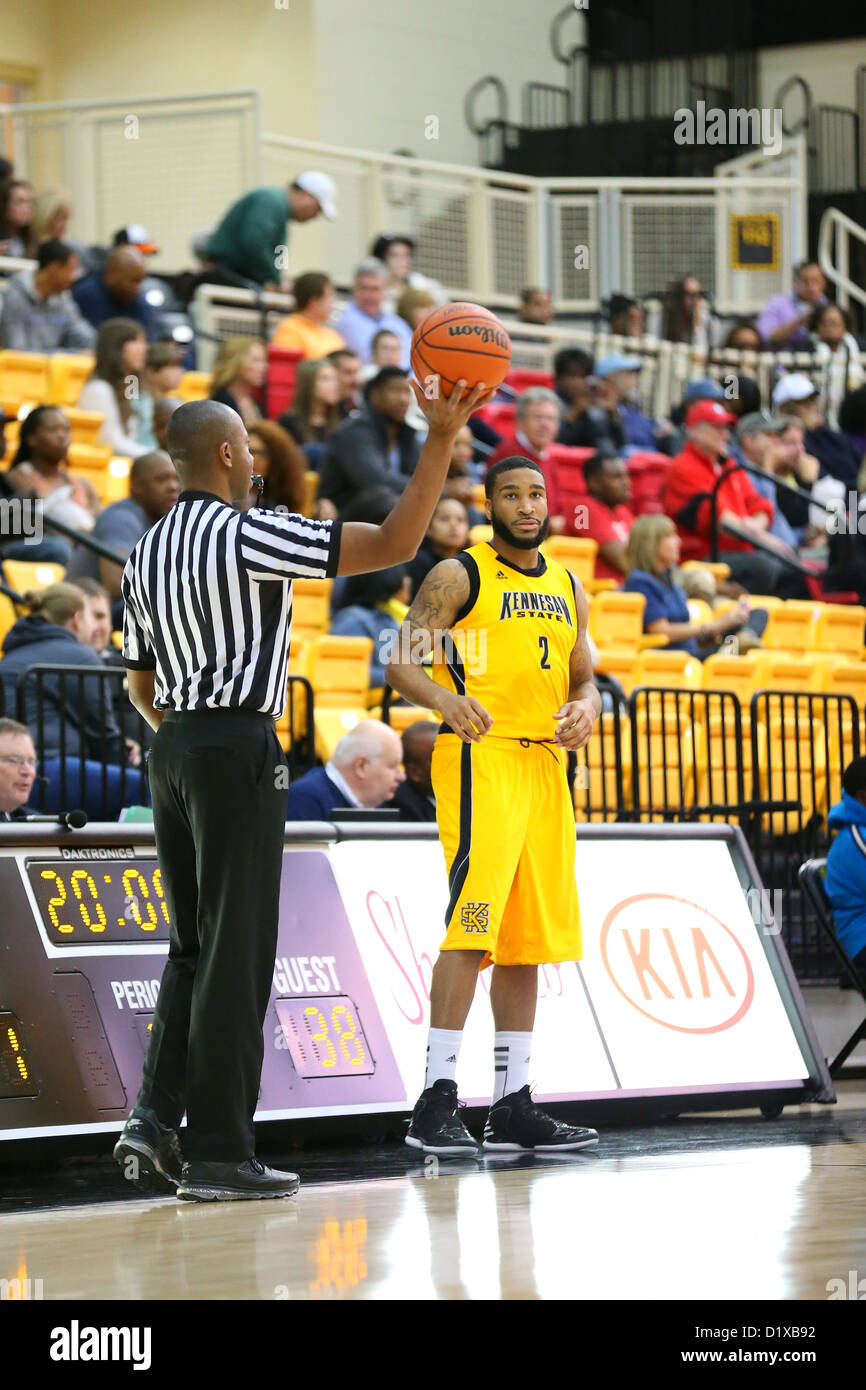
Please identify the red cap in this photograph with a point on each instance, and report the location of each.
(709, 413)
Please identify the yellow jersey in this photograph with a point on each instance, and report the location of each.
(512, 642)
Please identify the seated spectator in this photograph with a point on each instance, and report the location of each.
(376, 446)
(795, 395)
(833, 343)
(627, 317)
(743, 337)
(57, 632)
(366, 314)
(686, 316)
(19, 524)
(348, 366)
(128, 719)
(845, 875)
(371, 505)
(689, 484)
(164, 369)
(395, 253)
(605, 516)
(572, 370)
(53, 214)
(447, 535)
(250, 234)
(705, 389)
(620, 375)
(652, 555)
(538, 417)
(162, 412)
(306, 330)
(114, 388)
(39, 313)
(17, 215)
(17, 769)
(239, 371)
(536, 306)
(38, 469)
(365, 770)
(154, 488)
(388, 352)
(374, 605)
(761, 438)
(698, 583)
(414, 306)
(784, 320)
(414, 798)
(282, 465)
(115, 291)
(460, 482)
(315, 410)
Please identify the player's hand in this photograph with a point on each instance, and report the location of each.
(576, 719)
(448, 414)
(466, 717)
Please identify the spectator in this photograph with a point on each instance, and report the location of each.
(761, 438)
(162, 412)
(255, 228)
(99, 611)
(164, 368)
(746, 399)
(627, 317)
(845, 876)
(783, 321)
(852, 422)
(619, 376)
(374, 605)
(460, 482)
(39, 313)
(53, 214)
(17, 214)
(705, 389)
(306, 330)
(396, 253)
(690, 481)
(538, 417)
(315, 411)
(414, 798)
(114, 388)
(743, 337)
(414, 306)
(835, 346)
(605, 516)
(57, 632)
(365, 770)
(17, 768)
(377, 446)
(115, 291)
(686, 317)
(239, 370)
(387, 351)
(282, 465)
(572, 370)
(795, 395)
(38, 468)
(348, 366)
(536, 306)
(153, 490)
(652, 555)
(372, 505)
(366, 315)
(447, 535)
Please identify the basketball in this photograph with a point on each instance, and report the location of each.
(461, 341)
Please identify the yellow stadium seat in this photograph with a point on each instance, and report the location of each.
(22, 575)
(401, 716)
(67, 373)
(672, 670)
(311, 607)
(792, 766)
(619, 662)
(115, 480)
(616, 620)
(846, 678)
(738, 674)
(790, 626)
(665, 770)
(840, 628)
(23, 379)
(596, 796)
(8, 617)
(91, 461)
(479, 534)
(311, 481)
(779, 671)
(194, 386)
(11, 435)
(331, 725)
(722, 750)
(338, 669)
(576, 553)
(84, 425)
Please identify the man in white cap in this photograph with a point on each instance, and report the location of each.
(838, 456)
(249, 239)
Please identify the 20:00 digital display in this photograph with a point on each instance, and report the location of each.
(111, 901)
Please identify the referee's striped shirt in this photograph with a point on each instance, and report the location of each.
(207, 596)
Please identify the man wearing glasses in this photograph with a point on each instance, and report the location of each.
(17, 768)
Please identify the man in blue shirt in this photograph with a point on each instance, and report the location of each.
(365, 317)
(366, 769)
(115, 291)
(620, 376)
(845, 879)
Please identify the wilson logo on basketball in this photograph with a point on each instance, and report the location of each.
(676, 963)
(484, 335)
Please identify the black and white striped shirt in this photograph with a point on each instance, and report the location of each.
(207, 596)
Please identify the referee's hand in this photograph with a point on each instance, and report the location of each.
(448, 414)
(469, 719)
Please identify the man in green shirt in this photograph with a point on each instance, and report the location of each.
(250, 237)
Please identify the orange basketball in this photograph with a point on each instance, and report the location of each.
(461, 340)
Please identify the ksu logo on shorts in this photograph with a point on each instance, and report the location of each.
(475, 916)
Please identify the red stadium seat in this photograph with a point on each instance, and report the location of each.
(499, 415)
(282, 372)
(647, 472)
(521, 378)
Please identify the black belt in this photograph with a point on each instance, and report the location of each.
(182, 716)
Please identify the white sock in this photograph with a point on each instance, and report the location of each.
(443, 1049)
(511, 1054)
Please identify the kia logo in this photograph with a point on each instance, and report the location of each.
(676, 963)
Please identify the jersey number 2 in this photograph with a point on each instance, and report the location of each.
(545, 664)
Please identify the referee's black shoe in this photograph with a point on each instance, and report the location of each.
(148, 1153)
(202, 1181)
(436, 1127)
(515, 1124)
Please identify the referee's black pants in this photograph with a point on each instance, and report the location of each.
(219, 814)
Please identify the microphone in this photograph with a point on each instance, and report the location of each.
(70, 820)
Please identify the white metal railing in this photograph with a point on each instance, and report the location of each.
(834, 235)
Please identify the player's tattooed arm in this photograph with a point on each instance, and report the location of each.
(425, 629)
(583, 706)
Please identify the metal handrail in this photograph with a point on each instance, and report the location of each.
(836, 224)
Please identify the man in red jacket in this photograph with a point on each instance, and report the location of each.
(538, 415)
(688, 488)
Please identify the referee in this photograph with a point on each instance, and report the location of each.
(208, 609)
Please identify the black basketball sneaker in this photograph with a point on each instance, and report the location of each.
(148, 1153)
(515, 1124)
(436, 1126)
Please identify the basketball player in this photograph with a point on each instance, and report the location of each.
(512, 679)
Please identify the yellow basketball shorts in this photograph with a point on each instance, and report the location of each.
(506, 822)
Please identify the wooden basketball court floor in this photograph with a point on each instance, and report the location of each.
(705, 1207)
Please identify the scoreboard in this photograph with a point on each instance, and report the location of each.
(684, 998)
